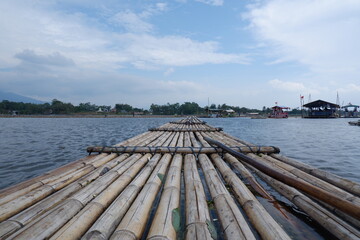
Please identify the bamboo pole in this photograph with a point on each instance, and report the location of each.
(248, 176)
(30, 214)
(161, 139)
(166, 222)
(344, 205)
(194, 142)
(175, 140)
(232, 221)
(180, 142)
(312, 180)
(183, 150)
(133, 224)
(329, 221)
(57, 217)
(13, 192)
(169, 140)
(201, 140)
(259, 217)
(110, 219)
(350, 186)
(185, 129)
(197, 213)
(23, 188)
(81, 222)
(244, 172)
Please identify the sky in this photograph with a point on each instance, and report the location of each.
(247, 53)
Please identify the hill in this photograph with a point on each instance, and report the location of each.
(13, 97)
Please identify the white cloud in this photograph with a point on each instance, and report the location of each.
(54, 59)
(132, 22)
(173, 51)
(169, 71)
(287, 86)
(212, 2)
(74, 35)
(322, 34)
(350, 88)
(297, 87)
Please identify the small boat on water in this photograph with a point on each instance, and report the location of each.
(182, 180)
(355, 123)
(278, 112)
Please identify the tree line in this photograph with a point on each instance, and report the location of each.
(55, 107)
(59, 107)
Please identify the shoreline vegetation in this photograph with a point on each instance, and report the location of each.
(115, 116)
(59, 109)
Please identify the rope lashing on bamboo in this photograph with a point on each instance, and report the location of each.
(189, 123)
(316, 192)
(181, 150)
(185, 130)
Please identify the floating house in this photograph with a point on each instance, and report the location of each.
(278, 112)
(350, 111)
(321, 109)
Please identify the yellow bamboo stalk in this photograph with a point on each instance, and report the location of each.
(350, 186)
(135, 219)
(311, 179)
(167, 214)
(81, 222)
(35, 211)
(21, 189)
(57, 217)
(110, 219)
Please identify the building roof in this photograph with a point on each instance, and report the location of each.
(350, 105)
(321, 103)
(282, 107)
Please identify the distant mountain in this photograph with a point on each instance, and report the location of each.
(13, 97)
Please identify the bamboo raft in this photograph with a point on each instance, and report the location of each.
(185, 179)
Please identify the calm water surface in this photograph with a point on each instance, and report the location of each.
(32, 146)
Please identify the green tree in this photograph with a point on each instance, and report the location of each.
(124, 108)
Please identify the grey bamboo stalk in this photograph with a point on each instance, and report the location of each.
(248, 176)
(16, 205)
(232, 221)
(260, 218)
(197, 212)
(329, 221)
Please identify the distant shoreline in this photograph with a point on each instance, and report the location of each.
(112, 116)
(88, 116)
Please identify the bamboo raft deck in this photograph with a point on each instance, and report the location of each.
(184, 179)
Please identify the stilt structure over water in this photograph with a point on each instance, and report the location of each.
(184, 179)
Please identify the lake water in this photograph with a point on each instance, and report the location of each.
(32, 146)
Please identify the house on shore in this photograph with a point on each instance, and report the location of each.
(321, 109)
(221, 113)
